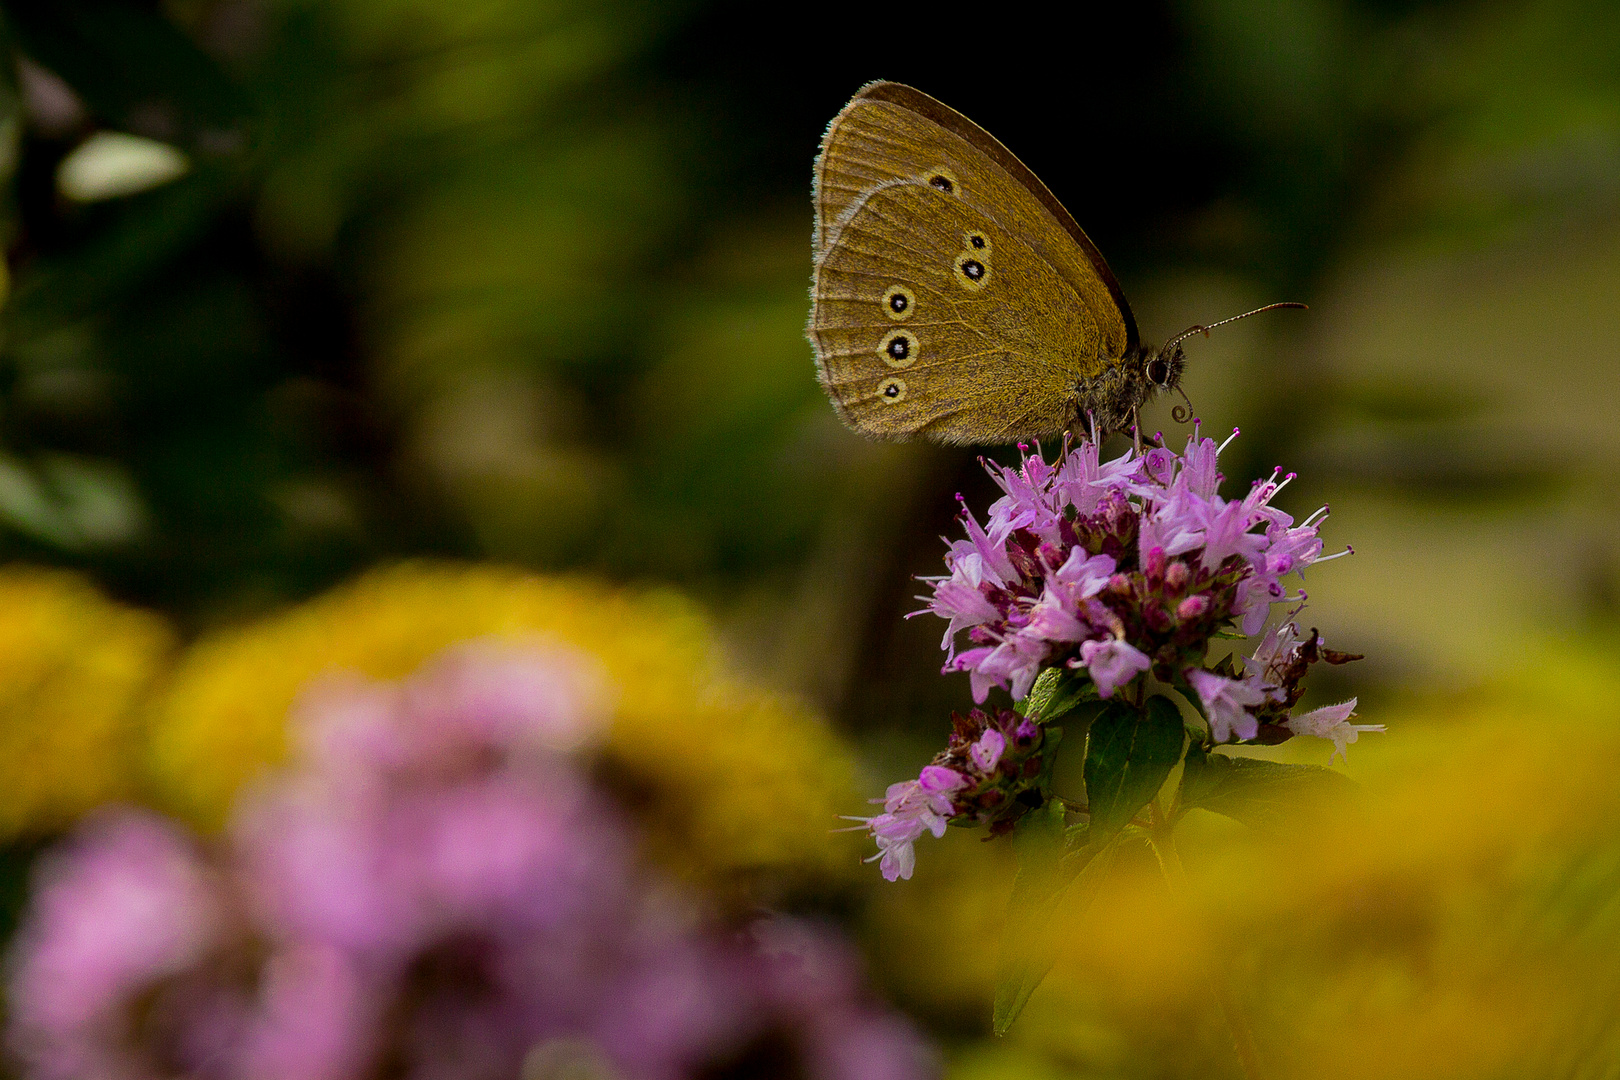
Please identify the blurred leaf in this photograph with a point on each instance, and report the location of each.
(1055, 693)
(113, 164)
(132, 66)
(70, 503)
(1257, 792)
(1050, 859)
(1129, 755)
(146, 233)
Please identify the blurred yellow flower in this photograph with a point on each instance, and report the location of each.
(73, 669)
(1460, 919)
(728, 780)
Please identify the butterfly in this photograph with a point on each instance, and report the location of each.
(954, 297)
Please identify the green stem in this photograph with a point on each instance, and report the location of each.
(1162, 837)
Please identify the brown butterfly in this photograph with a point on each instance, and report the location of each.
(955, 298)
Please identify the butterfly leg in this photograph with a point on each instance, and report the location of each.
(1136, 431)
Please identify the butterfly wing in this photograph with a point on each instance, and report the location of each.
(890, 132)
(932, 319)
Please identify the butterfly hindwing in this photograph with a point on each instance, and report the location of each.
(930, 319)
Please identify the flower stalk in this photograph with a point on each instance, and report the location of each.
(1161, 837)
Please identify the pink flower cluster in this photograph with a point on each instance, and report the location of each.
(1115, 567)
(1107, 571)
(993, 759)
(1254, 705)
(436, 892)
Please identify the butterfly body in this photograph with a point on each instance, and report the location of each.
(954, 297)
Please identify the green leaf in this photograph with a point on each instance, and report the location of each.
(1264, 794)
(1056, 692)
(1129, 755)
(1050, 861)
(1053, 736)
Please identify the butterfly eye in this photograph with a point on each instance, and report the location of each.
(1158, 371)
(892, 391)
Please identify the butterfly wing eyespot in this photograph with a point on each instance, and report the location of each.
(942, 179)
(975, 372)
(972, 270)
(900, 349)
(977, 241)
(899, 302)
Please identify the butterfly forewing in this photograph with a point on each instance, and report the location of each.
(901, 183)
(931, 319)
(891, 132)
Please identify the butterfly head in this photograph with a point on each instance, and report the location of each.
(1162, 370)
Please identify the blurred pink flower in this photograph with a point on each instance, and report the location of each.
(128, 905)
(438, 891)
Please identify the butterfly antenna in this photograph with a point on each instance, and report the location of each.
(1182, 413)
(1190, 331)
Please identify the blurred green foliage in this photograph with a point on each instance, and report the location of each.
(525, 281)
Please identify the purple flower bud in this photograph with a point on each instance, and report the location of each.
(1192, 607)
(936, 779)
(1176, 574)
